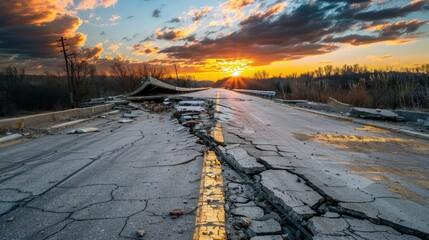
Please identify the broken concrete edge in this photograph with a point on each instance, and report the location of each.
(227, 159)
(28, 121)
(358, 121)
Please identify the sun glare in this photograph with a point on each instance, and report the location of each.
(236, 73)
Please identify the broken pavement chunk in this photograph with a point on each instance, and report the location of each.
(189, 108)
(269, 226)
(83, 130)
(375, 113)
(190, 123)
(295, 197)
(125, 120)
(177, 213)
(140, 233)
(191, 103)
(244, 162)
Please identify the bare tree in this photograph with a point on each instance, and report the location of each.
(81, 71)
(146, 70)
(127, 78)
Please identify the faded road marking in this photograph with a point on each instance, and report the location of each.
(210, 219)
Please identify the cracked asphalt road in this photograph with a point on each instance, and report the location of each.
(379, 177)
(102, 185)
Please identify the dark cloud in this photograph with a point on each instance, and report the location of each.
(129, 17)
(290, 36)
(171, 34)
(309, 29)
(264, 15)
(174, 20)
(156, 13)
(126, 39)
(393, 12)
(31, 28)
(398, 31)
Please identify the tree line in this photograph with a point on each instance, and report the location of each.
(353, 84)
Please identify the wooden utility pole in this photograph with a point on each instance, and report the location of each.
(64, 51)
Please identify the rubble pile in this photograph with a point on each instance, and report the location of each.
(155, 107)
(194, 115)
(250, 216)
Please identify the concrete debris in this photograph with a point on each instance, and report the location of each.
(376, 114)
(269, 226)
(177, 213)
(271, 215)
(83, 130)
(190, 123)
(242, 222)
(179, 129)
(126, 120)
(331, 215)
(140, 233)
(328, 226)
(190, 108)
(191, 103)
(154, 107)
(187, 117)
(130, 115)
(134, 105)
(295, 197)
(250, 212)
(244, 162)
(423, 123)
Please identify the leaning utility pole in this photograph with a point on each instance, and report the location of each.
(64, 50)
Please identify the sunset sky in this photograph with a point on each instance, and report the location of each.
(213, 39)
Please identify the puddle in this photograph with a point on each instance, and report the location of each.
(395, 145)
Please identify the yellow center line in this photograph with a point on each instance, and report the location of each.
(210, 218)
(216, 133)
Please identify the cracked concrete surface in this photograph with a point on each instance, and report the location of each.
(383, 189)
(103, 185)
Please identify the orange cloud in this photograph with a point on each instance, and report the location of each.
(92, 4)
(36, 25)
(234, 5)
(171, 34)
(197, 14)
(144, 49)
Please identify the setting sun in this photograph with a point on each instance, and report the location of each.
(236, 73)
